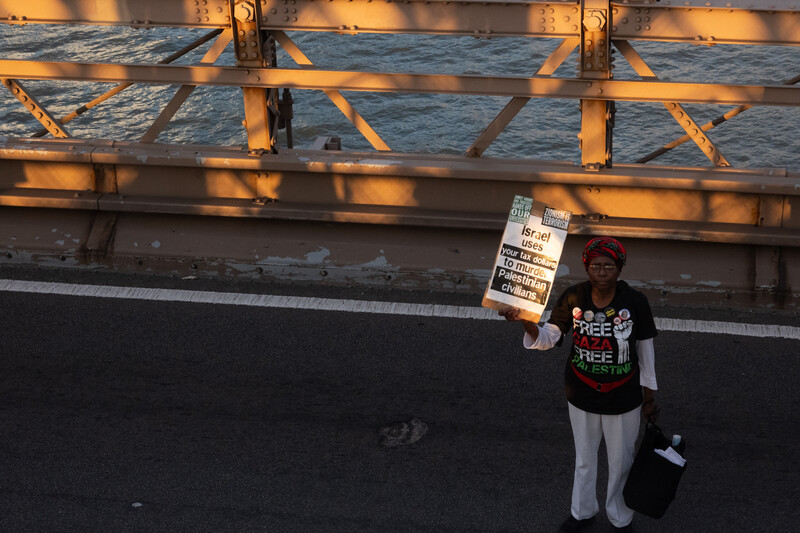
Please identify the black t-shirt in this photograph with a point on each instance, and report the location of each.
(603, 352)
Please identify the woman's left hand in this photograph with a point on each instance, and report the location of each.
(650, 409)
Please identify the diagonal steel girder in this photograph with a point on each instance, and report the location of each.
(536, 87)
(507, 114)
(675, 109)
(123, 86)
(39, 112)
(335, 96)
(185, 91)
(705, 127)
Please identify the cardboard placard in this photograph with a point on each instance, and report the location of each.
(528, 257)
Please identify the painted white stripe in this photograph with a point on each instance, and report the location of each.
(356, 306)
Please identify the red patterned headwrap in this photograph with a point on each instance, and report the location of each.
(607, 246)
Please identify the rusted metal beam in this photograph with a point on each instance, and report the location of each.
(536, 87)
(695, 21)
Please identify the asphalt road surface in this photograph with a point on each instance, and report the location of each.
(136, 416)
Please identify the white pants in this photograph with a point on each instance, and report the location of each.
(620, 432)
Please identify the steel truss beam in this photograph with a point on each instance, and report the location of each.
(698, 21)
(705, 127)
(675, 109)
(335, 96)
(537, 87)
(39, 112)
(186, 90)
(722, 205)
(503, 119)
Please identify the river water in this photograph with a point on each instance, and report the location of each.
(544, 129)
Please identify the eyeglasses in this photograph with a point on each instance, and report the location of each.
(609, 267)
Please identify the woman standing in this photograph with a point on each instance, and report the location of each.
(609, 376)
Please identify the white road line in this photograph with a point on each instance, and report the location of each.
(356, 306)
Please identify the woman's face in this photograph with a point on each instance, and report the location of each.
(603, 272)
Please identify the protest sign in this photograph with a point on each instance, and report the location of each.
(526, 264)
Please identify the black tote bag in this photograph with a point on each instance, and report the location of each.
(653, 479)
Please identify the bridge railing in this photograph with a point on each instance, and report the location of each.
(270, 179)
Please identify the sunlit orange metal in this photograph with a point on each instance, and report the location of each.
(538, 87)
(702, 21)
(675, 109)
(36, 109)
(115, 189)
